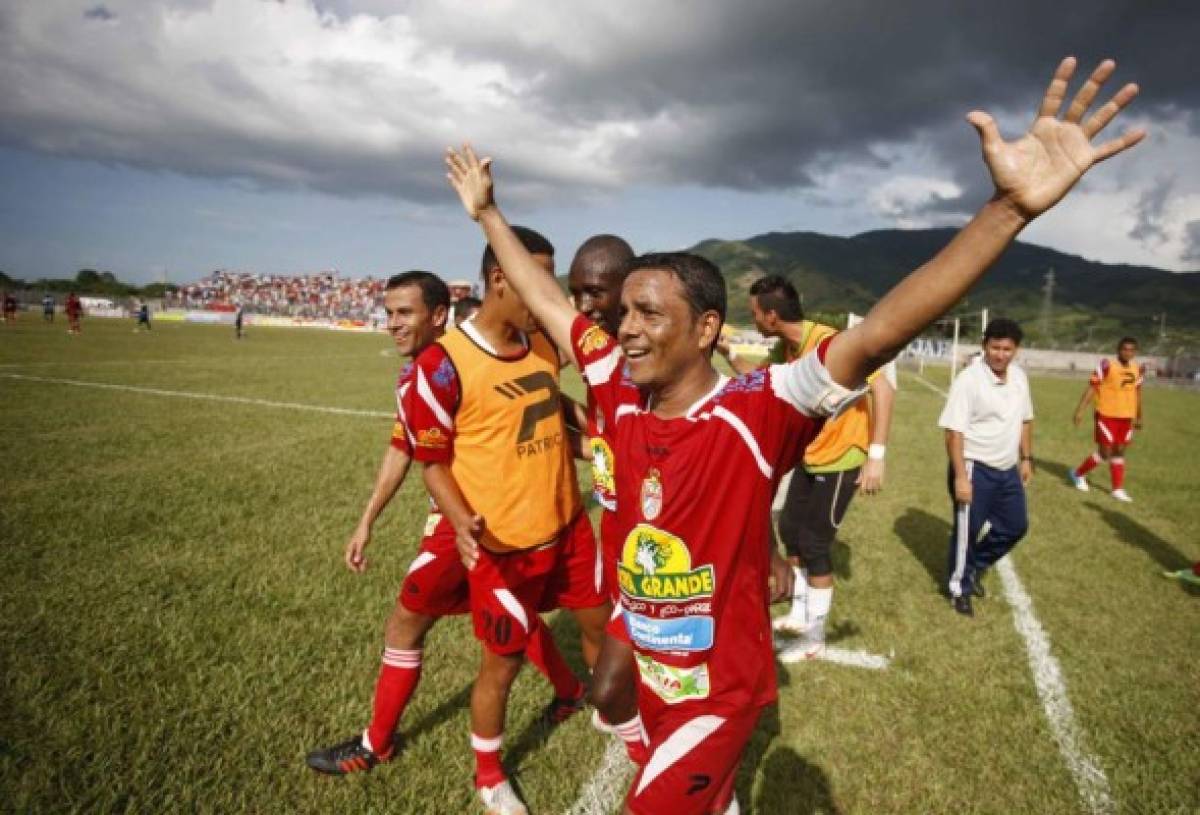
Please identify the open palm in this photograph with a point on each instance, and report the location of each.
(1038, 169)
(471, 179)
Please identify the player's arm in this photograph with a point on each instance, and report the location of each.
(467, 525)
(1026, 468)
(392, 471)
(883, 398)
(1137, 421)
(740, 365)
(1030, 175)
(1089, 393)
(472, 180)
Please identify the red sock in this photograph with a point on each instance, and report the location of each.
(398, 677)
(637, 743)
(546, 657)
(488, 772)
(1116, 467)
(1088, 464)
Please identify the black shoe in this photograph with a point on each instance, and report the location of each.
(977, 589)
(559, 710)
(350, 756)
(962, 604)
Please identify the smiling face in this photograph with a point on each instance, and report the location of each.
(661, 336)
(410, 322)
(596, 291)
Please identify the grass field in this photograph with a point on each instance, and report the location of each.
(177, 629)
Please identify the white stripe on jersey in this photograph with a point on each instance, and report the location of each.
(599, 372)
(426, 394)
(678, 745)
(737, 424)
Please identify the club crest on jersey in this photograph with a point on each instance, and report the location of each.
(652, 494)
(602, 466)
(656, 565)
(592, 340)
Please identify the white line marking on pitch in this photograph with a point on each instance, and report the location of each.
(1051, 686)
(212, 397)
(855, 659)
(607, 785)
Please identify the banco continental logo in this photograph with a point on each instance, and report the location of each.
(656, 565)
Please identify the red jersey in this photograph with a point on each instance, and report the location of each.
(401, 438)
(693, 516)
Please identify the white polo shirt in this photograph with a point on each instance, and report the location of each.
(989, 412)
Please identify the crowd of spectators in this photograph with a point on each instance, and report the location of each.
(324, 295)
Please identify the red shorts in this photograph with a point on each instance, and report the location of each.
(436, 583)
(579, 579)
(695, 749)
(1111, 431)
(506, 592)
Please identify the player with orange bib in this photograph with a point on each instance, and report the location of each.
(1117, 389)
(486, 416)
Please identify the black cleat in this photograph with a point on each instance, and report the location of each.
(962, 604)
(350, 756)
(977, 589)
(559, 710)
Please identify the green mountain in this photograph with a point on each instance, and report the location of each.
(1092, 303)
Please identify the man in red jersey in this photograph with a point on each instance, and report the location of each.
(699, 456)
(417, 304)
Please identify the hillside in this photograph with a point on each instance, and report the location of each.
(1093, 302)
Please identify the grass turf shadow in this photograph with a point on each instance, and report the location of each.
(790, 785)
(1138, 536)
(926, 536)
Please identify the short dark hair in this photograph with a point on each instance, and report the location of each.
(1127, 341)
(434, 291)
(535, 242)
(777, 294)
(1002, 328)
(611, 254)
(703, 285)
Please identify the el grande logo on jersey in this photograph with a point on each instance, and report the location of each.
(656, 565)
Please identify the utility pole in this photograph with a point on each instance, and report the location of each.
(1048, 308)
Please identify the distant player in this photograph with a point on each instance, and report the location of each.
(143, 316)
(848, 452)
(239, 320)
(48, 307)
(436, 584)
(10, 307)
(486, 416)
(699, 456)
(74, 310)
(1117, 389)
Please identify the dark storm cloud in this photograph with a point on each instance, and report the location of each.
(775, 85)
(1151, 206)
(1191, 251)
(100, 13)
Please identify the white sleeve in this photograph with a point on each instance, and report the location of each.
(806, 385)
(1028, 402)
(956, 415)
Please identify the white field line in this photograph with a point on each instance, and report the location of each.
(1052, 690)
(212, 397)
(855, 659)
(1089, 777)
(605, 789)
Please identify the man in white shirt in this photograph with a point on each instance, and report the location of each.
(988, 421)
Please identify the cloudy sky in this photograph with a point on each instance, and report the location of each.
(172, 137)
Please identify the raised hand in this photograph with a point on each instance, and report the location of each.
(1034, 172)
(471, 179)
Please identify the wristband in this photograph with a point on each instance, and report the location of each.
(876, 452)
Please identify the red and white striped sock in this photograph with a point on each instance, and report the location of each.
(1116, 467)
(637, 741)
(1088, 464)
(488, 772)
(398, 678)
